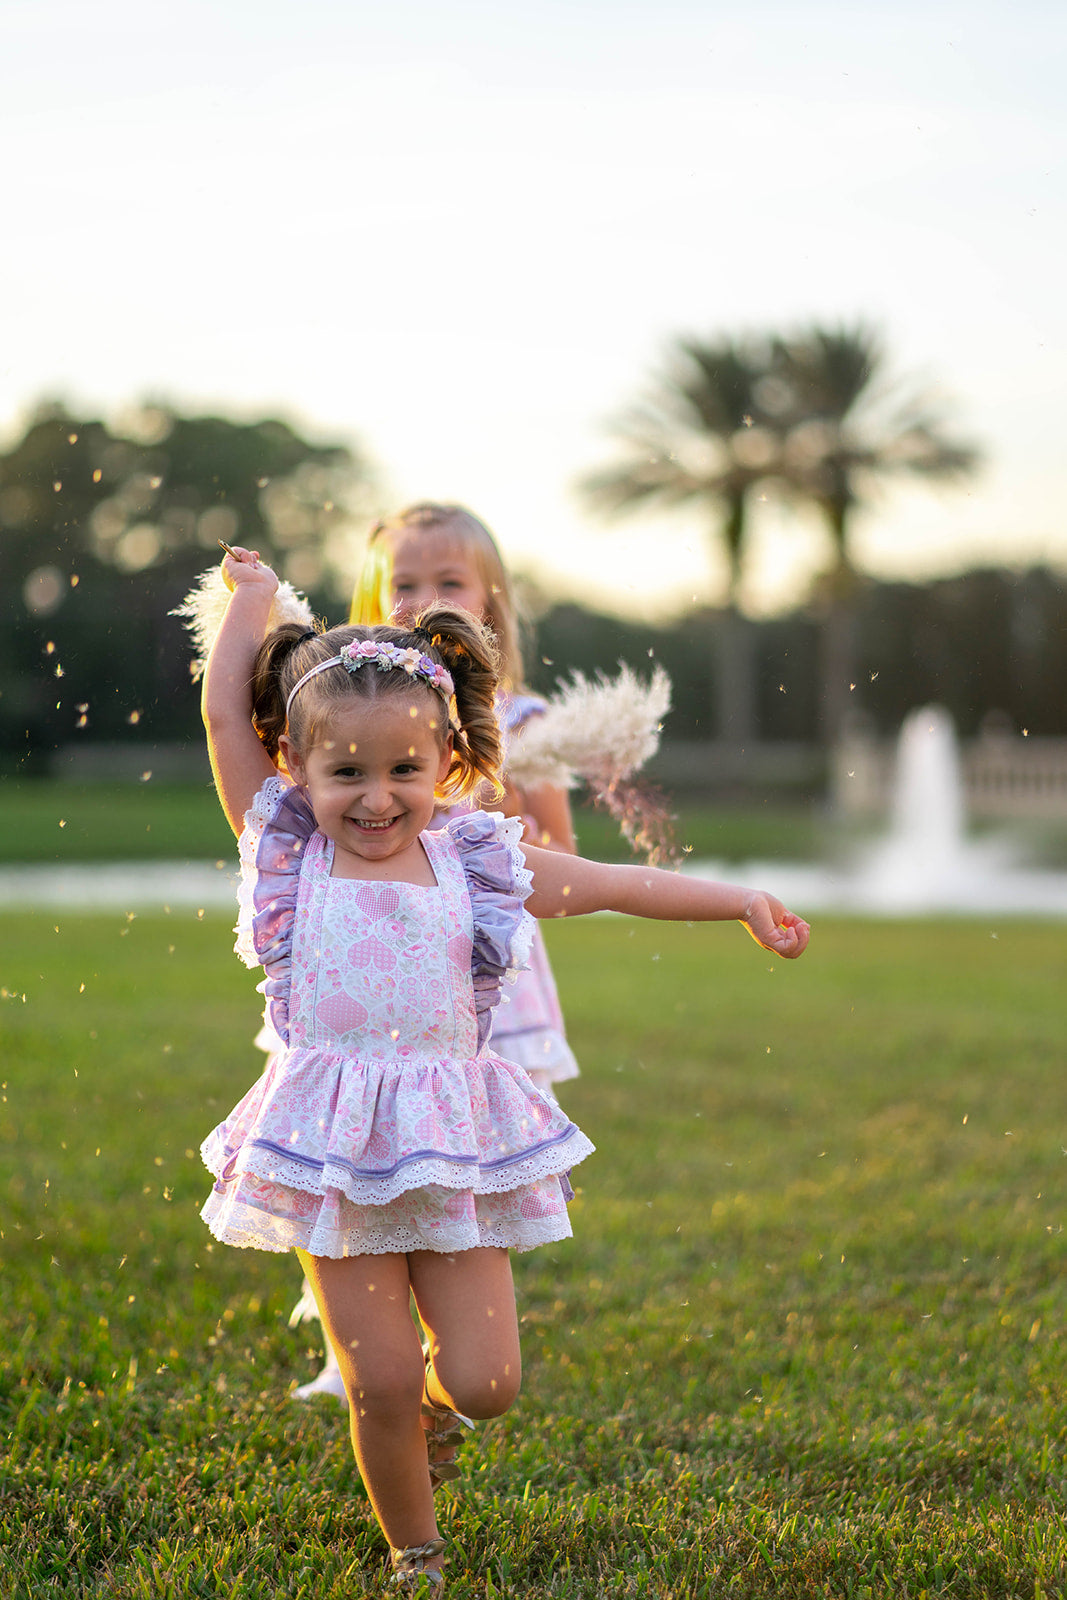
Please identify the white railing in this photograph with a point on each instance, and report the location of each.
(1005, 777)
(1002, 775)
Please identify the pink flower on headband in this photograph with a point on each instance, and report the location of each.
(366, 649)
(411, 660)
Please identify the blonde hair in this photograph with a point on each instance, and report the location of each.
(372, 598)
(447, 634)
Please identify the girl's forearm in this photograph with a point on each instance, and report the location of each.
(571, 886)
(667, 896)
(227, 694)
(567, 886)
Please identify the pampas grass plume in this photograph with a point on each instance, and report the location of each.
(594, 730)
(204, 607)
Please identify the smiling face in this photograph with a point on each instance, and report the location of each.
(429, 566)
(370, 777)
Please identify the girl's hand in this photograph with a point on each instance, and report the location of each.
(240, 567)
(774, 928)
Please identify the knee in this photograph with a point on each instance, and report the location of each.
(486, 1394)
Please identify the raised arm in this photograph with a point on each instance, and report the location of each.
(569, 886)
(239, 762)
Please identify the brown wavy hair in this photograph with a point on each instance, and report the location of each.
(447, 634)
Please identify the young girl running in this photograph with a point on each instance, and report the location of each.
(434, 552)
(387, 1143)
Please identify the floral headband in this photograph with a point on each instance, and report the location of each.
(385, 656)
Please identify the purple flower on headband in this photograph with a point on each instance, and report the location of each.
(385, 655)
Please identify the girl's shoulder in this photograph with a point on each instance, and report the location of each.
(278, 827)
(514, 708)
(489, 848)
(497, 881)
(279, 806)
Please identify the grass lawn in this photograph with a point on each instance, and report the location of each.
(807, 1340)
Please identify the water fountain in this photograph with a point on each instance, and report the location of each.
(926, 863)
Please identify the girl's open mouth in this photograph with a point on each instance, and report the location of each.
(372, 827)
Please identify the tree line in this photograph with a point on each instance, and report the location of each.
(103, 527)
(989, 644)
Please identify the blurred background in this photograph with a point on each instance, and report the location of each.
(742, 327)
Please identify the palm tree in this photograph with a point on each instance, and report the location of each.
(848, 430)
(705, 437)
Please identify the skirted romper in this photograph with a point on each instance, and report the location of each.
(386, 1123)
(529, 1024)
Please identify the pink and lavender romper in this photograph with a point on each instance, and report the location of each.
(386, 1124)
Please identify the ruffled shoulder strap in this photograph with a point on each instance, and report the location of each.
(279, 824)
(498, 881)
(514, 710)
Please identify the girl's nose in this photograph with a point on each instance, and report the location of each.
(377, 798)
(410, 604)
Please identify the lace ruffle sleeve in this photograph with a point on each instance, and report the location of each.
(498, 881)
(278, 825)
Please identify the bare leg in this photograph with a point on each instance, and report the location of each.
(467, 1305)
(364, 1302)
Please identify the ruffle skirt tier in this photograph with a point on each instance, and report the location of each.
(341, 1157)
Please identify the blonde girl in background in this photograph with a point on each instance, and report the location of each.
(434, 552)
(386, 1142)
(443, 552)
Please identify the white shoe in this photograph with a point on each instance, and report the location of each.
(327, 1382)
(305, 1309)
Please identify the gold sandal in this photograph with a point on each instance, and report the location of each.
(445, 1434)
(409, 1566)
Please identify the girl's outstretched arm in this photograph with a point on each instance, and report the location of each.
(569, 886)
(239, 762)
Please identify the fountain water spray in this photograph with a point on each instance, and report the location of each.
(926, 864)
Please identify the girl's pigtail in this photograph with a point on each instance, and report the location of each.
(469, 651)
(271, 682)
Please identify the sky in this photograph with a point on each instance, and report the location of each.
(463, 238)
